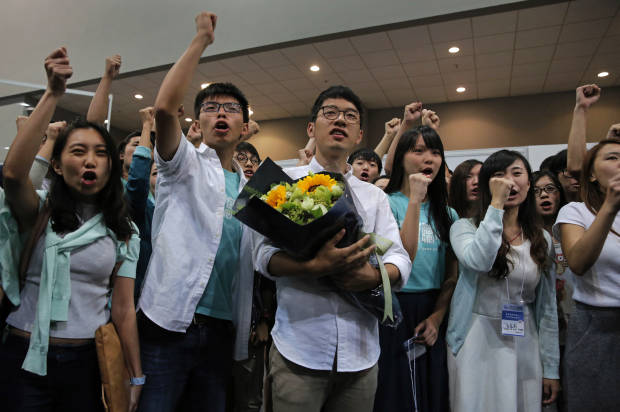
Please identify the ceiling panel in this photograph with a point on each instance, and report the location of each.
(494, 23)
(450, 30)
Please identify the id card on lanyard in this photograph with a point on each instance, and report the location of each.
(513, 320)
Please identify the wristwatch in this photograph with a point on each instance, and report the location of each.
(137, 381)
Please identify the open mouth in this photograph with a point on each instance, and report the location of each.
(546, 205)
(364, 176)
(512, 194)
(428, 172)
(89, 178)
(248, 173)
(338, 133)
(221, 127)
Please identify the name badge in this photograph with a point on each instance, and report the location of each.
(513, 320)
(561, 263)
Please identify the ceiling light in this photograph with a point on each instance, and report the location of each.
(314, 68)
(204, 85)
(138, 96)
(250, 111)
(24, 104)
(6, 147)
(188, 119)
(454, 49)
(460, 89)
(603, 74)
(105, 121)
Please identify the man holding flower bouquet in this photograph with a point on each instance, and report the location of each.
(325, 351)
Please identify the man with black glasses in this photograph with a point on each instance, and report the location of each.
(325, 351)
(199, 248)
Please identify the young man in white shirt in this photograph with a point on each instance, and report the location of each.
(186, 305)
(325, 349)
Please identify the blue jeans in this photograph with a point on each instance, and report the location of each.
(72, 382)
(186, 371)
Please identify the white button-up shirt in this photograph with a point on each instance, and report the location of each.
(314, 324)
(187, 226)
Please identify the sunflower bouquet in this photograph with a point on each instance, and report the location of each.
(307, 199)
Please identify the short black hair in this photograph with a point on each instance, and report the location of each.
(546, 164)
(247, 147)
(365, 154)
(123, 143)
(222, 89)
(337, 92)
(559, 161)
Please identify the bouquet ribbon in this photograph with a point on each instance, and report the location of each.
(383, 244)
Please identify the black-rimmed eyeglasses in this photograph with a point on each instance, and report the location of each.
(241, 158)
(214, 107)
(548, 189)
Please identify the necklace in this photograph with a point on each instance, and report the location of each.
(515, 238)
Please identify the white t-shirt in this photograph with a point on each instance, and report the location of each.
(600, 285)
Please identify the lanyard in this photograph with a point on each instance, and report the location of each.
(522, 280)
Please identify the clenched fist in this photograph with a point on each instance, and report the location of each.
(391, 127)
(58, 70)
(418, 186)
(112, 66)
(614, 131)
(500, 190)
(205, 25)
(413, 111)
(147, 115)
(587, 95)
(430, 119)
(54, 130)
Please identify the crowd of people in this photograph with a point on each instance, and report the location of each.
(508, 280)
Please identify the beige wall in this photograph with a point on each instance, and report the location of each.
(511, 121)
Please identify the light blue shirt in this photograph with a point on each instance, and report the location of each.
(476, 249)
(216, 301)
(429, 266)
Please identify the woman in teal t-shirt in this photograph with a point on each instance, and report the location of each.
(419, 200)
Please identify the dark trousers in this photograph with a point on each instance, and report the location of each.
(394, 389)
(186, 371)
(72, 382)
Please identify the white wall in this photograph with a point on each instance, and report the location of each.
(150, 33)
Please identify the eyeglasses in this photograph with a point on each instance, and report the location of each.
(241, 158)
(214, 107)
(548, 189)
(332, 113)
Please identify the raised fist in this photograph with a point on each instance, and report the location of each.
(19, 122)
(54, 130)
(112, 66)
(418, 185)
(413, 111)
(587, 95)
(500, 190)
(205, 25)
(147, 115)
(614, 131)
(391, 127)
(58, 70)
(430, 119)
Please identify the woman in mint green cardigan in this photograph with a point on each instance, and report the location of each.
(495, 361)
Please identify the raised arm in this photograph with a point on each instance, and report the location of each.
(413, 111)
(18, 188)
(98, 109)
(175, 85)
(583, 247)
(585, 97)
(430, 119)
(138, 180)
(391, 128)
(409, 231)
(41, 163)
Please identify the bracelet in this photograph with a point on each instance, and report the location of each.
(137, 381)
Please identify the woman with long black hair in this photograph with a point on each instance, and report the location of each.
(418, 197)
(502, 332)
(49, 359)
(463, 194)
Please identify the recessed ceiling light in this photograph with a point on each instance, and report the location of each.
(454, 49)
(603, 74)
(24, 104)
(6, 147)
(138, 96)
(250, 111)
(204, 85)
(188, 119)
(315, 68)
(460, 89)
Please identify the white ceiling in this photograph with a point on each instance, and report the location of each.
(543, 49)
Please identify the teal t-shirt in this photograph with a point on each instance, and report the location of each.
(216, 301)
(429, 266)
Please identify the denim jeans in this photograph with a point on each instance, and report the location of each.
(185, 371)
(72, 382)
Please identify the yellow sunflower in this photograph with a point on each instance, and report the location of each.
(309, 183)
(276, 196)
